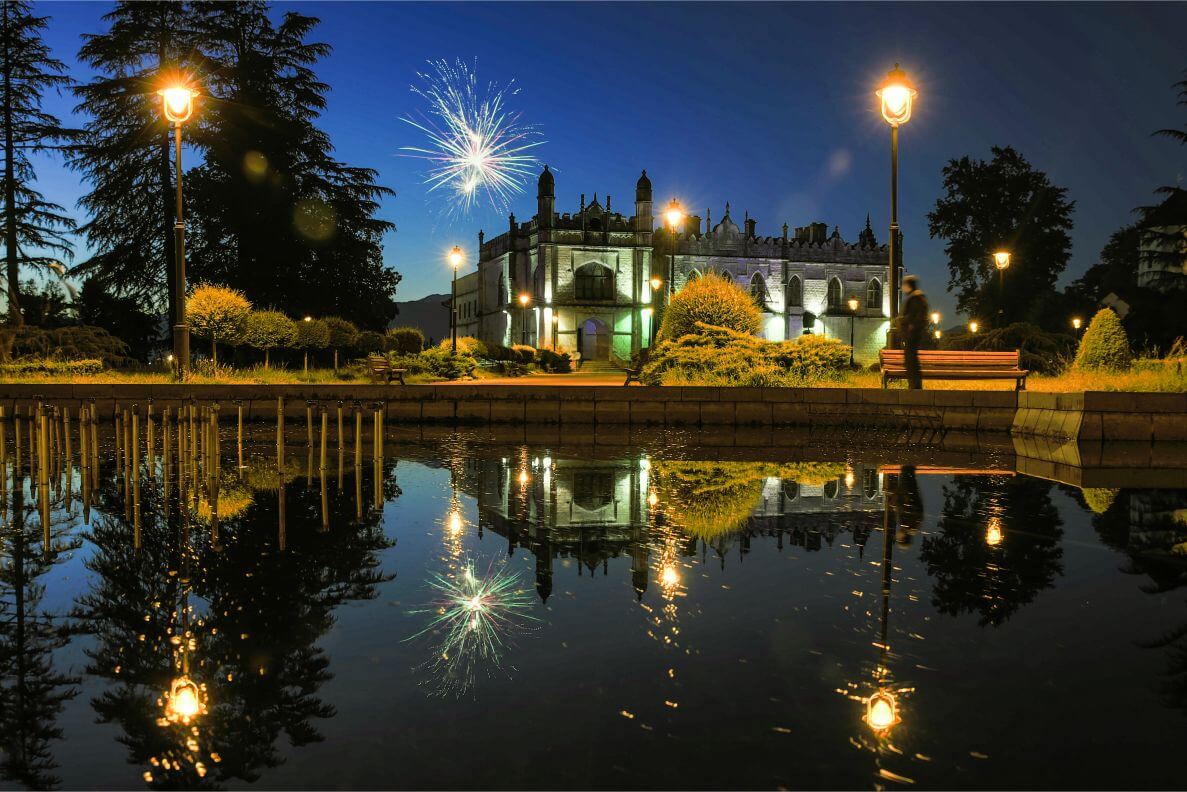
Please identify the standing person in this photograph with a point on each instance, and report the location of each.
(913, 329)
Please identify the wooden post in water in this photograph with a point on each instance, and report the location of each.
(136, 477)
(3, 465)
(239, 407)
(150, 450)
(309, 423)
(94, 447)
(84, 436)
(280, 434)
(69, 461)
(43, 475)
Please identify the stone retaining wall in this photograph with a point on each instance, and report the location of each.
(1089, 415)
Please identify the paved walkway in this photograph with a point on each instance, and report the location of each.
(583, 380)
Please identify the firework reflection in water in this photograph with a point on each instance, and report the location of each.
(476, 149)
(473, 616)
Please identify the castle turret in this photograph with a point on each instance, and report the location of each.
(545, 199)
(643, 218)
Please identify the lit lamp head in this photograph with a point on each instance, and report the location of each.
(935, 317)
(308, 319)
(897, 95)
(974, 326)
(647, 312)
(674, 215)
(882, 712)
(938, 334)
(455, 257)
(178, 103)
(524, 299)
(652, 498)
(523, 478)
(853, 303)
(1076, 322)
(1001, 259)
(184, 702)
(556, 319)
(656, 282)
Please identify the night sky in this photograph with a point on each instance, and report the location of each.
(767, 106)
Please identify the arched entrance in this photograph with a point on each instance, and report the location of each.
(593, 340)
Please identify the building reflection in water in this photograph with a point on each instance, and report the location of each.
(658, 512)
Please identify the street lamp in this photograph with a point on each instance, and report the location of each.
(1001, 260)
(853, 303)
(935, 317)
(177, 103)
(307, 319)
(938, 333)
(674, 215)
(974, 326)
(524, 299)
(1076, 322)
(455, 261)
(896, 95)
(882, 712)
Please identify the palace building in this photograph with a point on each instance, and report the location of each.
(580, 282)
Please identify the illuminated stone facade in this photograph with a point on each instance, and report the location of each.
(587, 276)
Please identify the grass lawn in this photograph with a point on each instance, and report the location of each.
(1167, 378)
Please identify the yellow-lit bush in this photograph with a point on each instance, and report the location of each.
(712, 300)
(218, 313)
(1105, 345)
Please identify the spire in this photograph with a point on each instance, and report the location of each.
(727, 208)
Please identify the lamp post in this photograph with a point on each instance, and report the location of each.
(656, 282)
(177, 102)
(896, 95)
(455, 261)
(853, 304)
(556, 327)
(674, 216)
(1001, 260)
(524, 299)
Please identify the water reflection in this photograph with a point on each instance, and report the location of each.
(730, 594)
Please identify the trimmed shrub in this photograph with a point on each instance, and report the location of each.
(1105, 346)
(555, 362)
(312, 334)
(406, 340)
(218, 313)
(522, 353)
(370, 342)
(441, 362)
(268, 330)
(721, 356)
(466, 345)
(711, 300)
(343, 334)
(63, 343)
(1099, 499)
(812, 358)
(51, 366)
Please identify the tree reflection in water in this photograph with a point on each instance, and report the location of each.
(1150, 528)
(259, 610)
(32, 691)
(977, 569)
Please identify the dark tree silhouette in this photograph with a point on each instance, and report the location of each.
(1002, 203)
(993, 581)
(34, 229)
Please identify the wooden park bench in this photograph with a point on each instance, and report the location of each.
(381, 369)
(943, 364)
(632, 372)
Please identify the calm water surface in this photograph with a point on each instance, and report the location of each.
(465, 612)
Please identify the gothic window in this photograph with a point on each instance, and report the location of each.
(758, 290)
(834, 294)
(795, 292)
(871, 483)
(791, 490)
(594, 282)
(538, 281)
(831, 488)
(874, 295)
(694, 274)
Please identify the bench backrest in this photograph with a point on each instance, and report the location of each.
(378, 362)
(953, 359)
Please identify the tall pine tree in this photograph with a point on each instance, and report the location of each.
(275, 214)
(126, 152)
(34, 229)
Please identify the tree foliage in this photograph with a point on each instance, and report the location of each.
(125, 153)
(1003, 203)
(268, 330)
(312, 334)
(1105, 345)
(218, 313)
(406, 340)
(712, 300)
(36, 231)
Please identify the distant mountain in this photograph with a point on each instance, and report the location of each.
(428, 313)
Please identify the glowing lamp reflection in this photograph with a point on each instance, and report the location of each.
(881, 711)
(993, 532)
(184, 702)
(669, 576)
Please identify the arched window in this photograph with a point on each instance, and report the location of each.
(594, 282)
(694, 274)
(834, 293)
(874, 295)
(795, 292)
(831, 488)
(791, 490)
(758, 290)
(538, 281)
(871, 483)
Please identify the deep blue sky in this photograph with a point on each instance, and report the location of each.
(768, 106)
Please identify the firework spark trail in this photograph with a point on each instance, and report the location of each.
(476, 148)
(473, 614)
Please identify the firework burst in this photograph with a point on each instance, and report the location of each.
(473, 616)
(477, 150)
